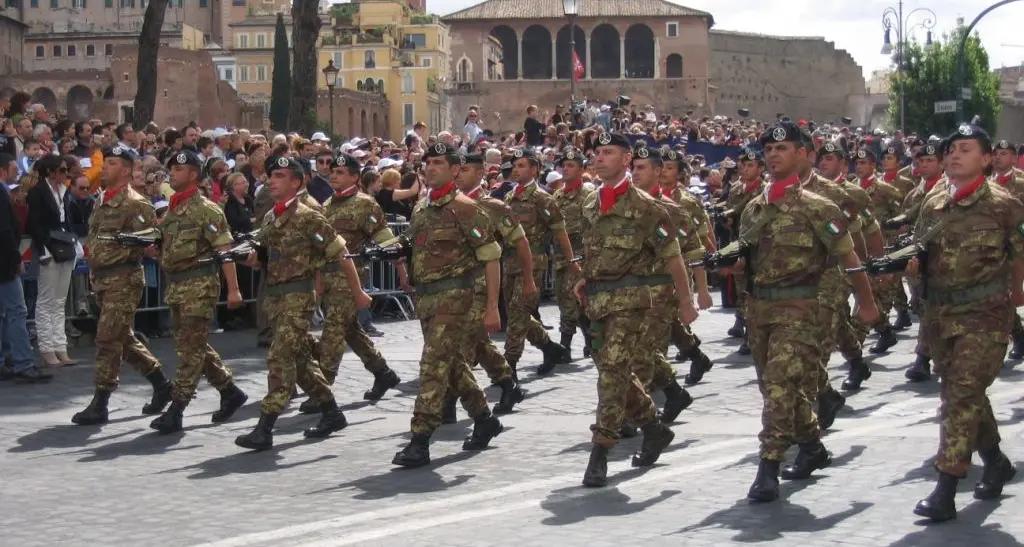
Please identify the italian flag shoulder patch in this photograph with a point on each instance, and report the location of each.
(476, 233)
(662, 231)
(832, 227)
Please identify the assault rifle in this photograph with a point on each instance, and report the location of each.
(896, 222)
(392, 249)
(143, 238)
(892, 263)
(724, 257)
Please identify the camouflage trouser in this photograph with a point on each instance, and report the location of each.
(290, 359)
(899, 295)
(878, 291)
(849, 339)
(620, 394)
(341, 326)
(569, 308)
(265, 330)
(522, 325)
(927, 331)
(486, 353)
(740, 282)
(914, 282)
(1017, 327)
(195, 356)
(831, 297)
(115, 338)
(449, 342)
(654, 370)
(787, 358)
(968, 364)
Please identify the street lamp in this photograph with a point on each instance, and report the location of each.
(571, 9)
(960, 58)
(893, 19)
(331, 76)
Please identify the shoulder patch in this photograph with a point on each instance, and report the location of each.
(140, 218)
(373, 219)
(662, 231)
(1021, 228)
(476, 233)
(506, 222)
(318, 238)
(212, 228)
(833, 227)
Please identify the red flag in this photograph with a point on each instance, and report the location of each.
(577, 67)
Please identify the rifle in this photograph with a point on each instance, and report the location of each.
(901, 241)
(392, 249)
(896, 222)
(144, 238)
(724, 257)
(894, 262)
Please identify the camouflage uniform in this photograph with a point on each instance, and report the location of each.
(570, 203)
(927, 328)
(886, 202)
(900, 180)
(682, 336)
(1013, 182)
(849, 337)
(740, 194)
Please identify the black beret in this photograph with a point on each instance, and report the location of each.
(439, 149)
(346, 160)
(645, 153)
(527, 153)
(274, 163)
(473, 159)
(892, 151)
(970, 132)
(571, 155)
(119, 151)
(185, 157)
(783, 131)
(614, 139)
(832, 148)
(866, 154)
(749, 154)
(1006, 145)
(929, 150)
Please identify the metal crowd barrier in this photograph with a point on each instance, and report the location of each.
(382, 283)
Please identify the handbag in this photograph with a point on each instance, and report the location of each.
(62, 245)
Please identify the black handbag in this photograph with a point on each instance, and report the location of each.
(62, 245)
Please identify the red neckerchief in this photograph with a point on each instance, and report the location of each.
(571, 187)
(929, 184)
(749, 187)
(890, 176)
(281, 206)
(112, 193)
(443, 191)
(520, 188)
(915, 172)
(472, 194)
(778, 188)
(965, 192)
(181, 196)
(610, 194)
(348, 192)
(656, 192)
(867, 183)
(1005, 179)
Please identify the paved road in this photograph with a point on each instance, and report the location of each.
(122, 485)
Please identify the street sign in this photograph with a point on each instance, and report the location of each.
(945, 107)
(965, 93)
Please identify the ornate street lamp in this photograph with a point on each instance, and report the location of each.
(893, 19)
(331, 77)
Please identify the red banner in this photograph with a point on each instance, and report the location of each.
(577, 67)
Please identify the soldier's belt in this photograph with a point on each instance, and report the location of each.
(773, 294)
(114, 269)
(332, 267)
(970, 295)
(513, 252)
(627, 281)
(464, 281)
(203, 270)
(289, 287)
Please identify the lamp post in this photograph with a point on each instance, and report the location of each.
(960, 57)
(893, 18)
(571, 9)
(331, 76)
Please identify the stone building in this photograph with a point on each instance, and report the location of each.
(12, 38)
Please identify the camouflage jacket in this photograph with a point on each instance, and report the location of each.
(570, 204)
(862, 201)
(915, 198)
(191, 231)
(900, 181)
(690, 244)
(1013, 182)
(886, 200)
(358, 219)
(837, 195)
(127, 211)
(693, 207)
(507, 230)
(740, 195)
(298, 243)
(541, 220)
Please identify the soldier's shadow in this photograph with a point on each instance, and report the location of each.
(69, 436)
(969, 528)
(577, 504)
(926, 473)
(147, 443)
(245, 463)
(755, 523)
(398, 480)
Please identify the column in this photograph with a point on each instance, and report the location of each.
(554, 56)
(519, 58)
(587, 38)
(622, 56)
(657, 58)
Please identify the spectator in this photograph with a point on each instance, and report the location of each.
(31, 152)
(319, 187)
(533, 127)
(388, 191)
(44, 135)
(238, 208)
(78, 204)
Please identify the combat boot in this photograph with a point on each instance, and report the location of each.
(511, 394)
(554, 354)
(588, 343)
(627, 430)
(677, 400)
(738, 328)
(566, 342)
(657, 437)
(231, 399)
(812, 457)
(96, 412)
(512, 364)
(309, 406)
(1017, 351)
(262, 436)
(416, 453)
(170, 421)
(161, 393)
(382, 382)
(448, 415)
(700, 363)
(596, 474)
(940, 505)
(903, 321)
(859, 371)
(744, 348)
(829, 404)
(331, 419)
(766, 483)
(998, 471)
(484, 429)
(886, 339)
(921, 370)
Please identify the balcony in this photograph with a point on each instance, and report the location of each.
(369, 38)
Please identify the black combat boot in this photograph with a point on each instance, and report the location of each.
(744, 348)
(596, 474)
(331, 419)
(738, 328)
(231, 399)
(677, 400)
(161, 393)
(829, 404)
(812, 457)
(940, 505)
(998, 471)
(886, 339)
(416, 453)
(700, 363)
(485, 428)
(512, 364)
(96, 412)
(1017, 351)
(554, 354)
(657, 437)
(859, 371)
(170, 421)
(448, 415)
(262, 436)
(766, 483)
(511, 394)
(921, 370)
(309, 406)
(566, 342)
(903, 321)
(627, 430)
(382, 382)
(588, 341)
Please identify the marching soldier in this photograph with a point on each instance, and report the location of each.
(974, 259)
(540, 219)
(626, 234)
(751, 165)
(569, 199)
(116, 277)
(797, 231)
(453, 247)
(192, 231)
(891, 160)
(294, 241)
(892, 172)
(1007, 175)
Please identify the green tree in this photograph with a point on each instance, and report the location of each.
(281, 86)
(930, 75)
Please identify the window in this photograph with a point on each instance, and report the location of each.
(54, 4)
(34, 3)
(229, 74)
(419, 40)
(108, 49)
(58, 51)
(337, 57)
(72, 50)
(261, 73)
(672, 30)
(408, 84)
(261, 40)
(40, 52)
(90, 50)
(243, 74)
(238, 3)
(108, 4)
(289, 38)
(427, 61)
(125, 4)
(80, 4)
(408, 119)
(202, 3)
(125, 77)
(243, 41)
(369, 60)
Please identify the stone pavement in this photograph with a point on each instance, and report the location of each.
(122, 485)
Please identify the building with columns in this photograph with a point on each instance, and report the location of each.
(509, 54)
